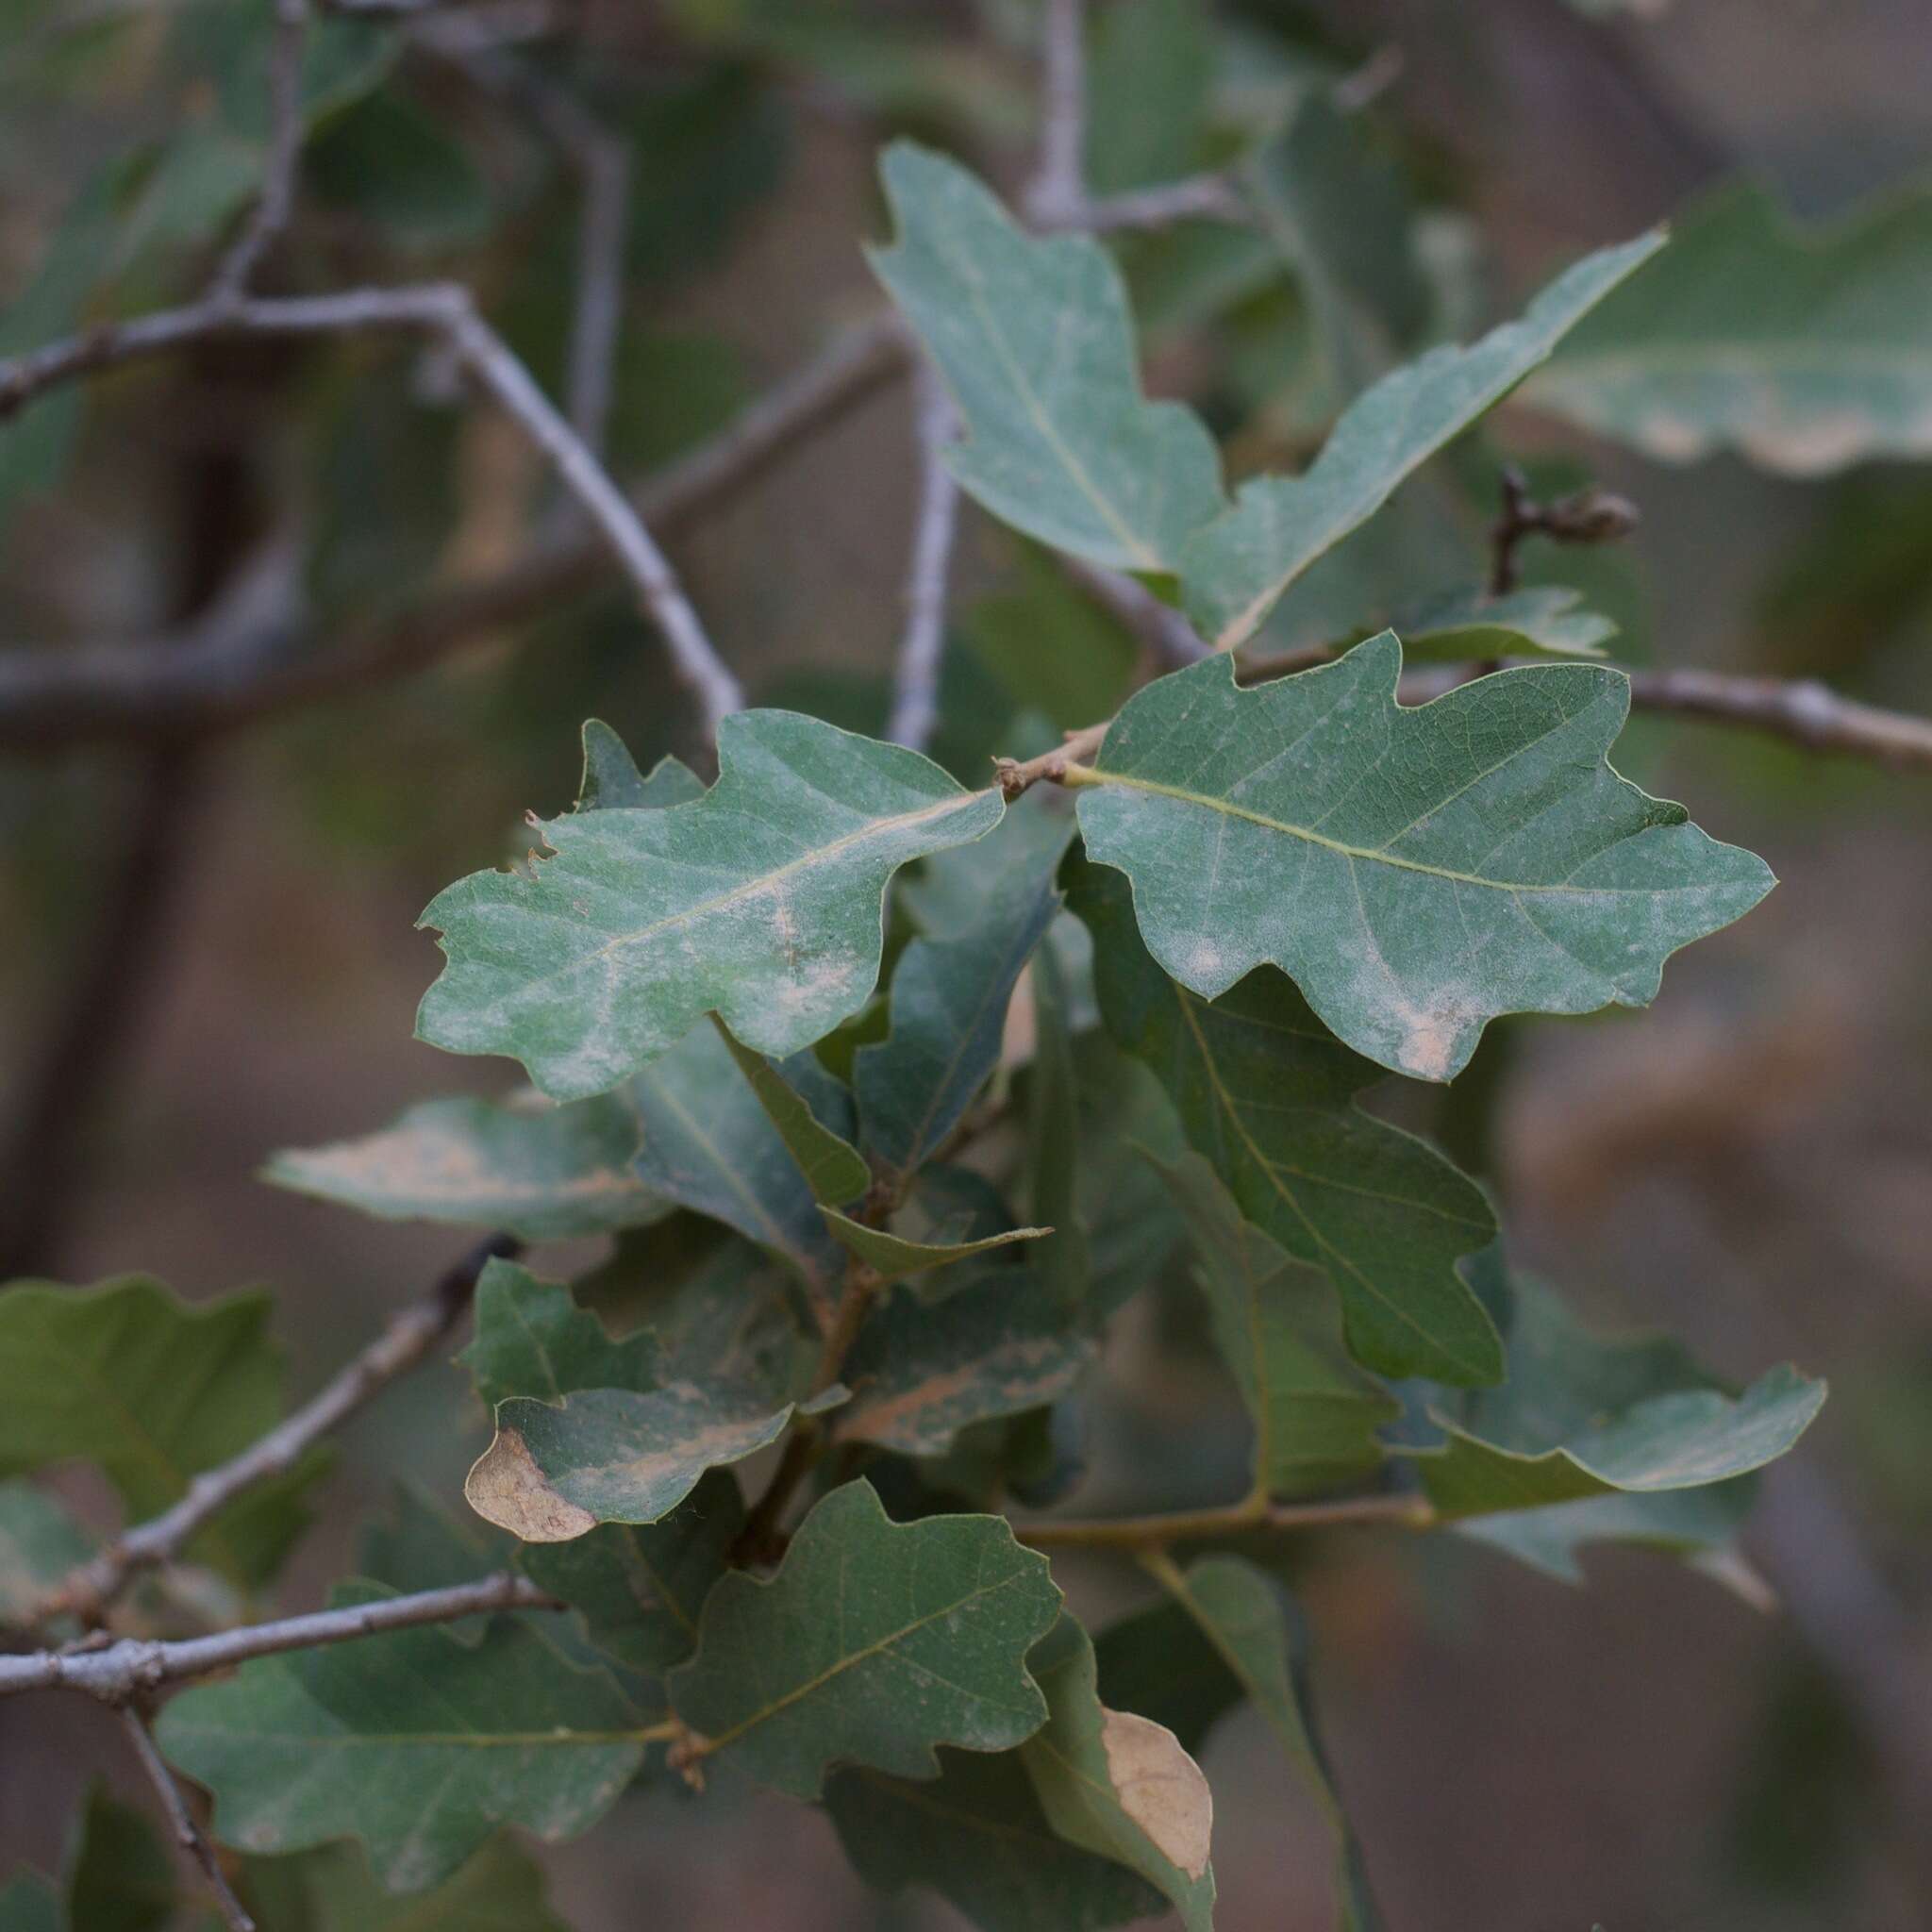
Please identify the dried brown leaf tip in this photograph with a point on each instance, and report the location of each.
(1160, 1788)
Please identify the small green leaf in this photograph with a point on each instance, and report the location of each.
(891, 1258)
(873, 1643)
(611, 1455)
(412, 1742)
(832, 1168)
(977, 1836)
(950, 995)
(332, 1889)
(922, 1372)
(761, 900)
(1416, 871)
(612, 781)
(1118, 1784)
(39, 1544)
(1266, 1093)
(1236, 566)
(532, 1339)
(1803, 346)
(1278, 1326)
(640, 1588)
(1544, 622)
(1064, 1262)
(127, 1376)
(542, 1171)
(1036, 344)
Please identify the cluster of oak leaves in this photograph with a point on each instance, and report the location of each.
(1137, 1006)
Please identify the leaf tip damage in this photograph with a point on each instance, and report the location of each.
(506, 1487)
(1160, 1788)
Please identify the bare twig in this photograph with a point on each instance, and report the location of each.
(1257, 1513)
(1585, 516)
(133, 1667)
(445, 312)
(273, 205)
(1170, 638)
(1016, 778)
(227, 676)
(186, 1833)
(921, 648)
(1806, 712)
(402, 1344)
(1058, 193)
(1198, 197)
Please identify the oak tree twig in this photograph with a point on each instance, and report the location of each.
(186, 1832)
(923, 645)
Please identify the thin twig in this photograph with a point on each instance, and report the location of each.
(186, 1833)
(227, 676)
(1194, 198)
(1806, 711)
(114, 1672)
(1170, 638)
(1233, 1519)
(444, 311)
(922, 649)
(1017, 777)
(276, 201)
(408, 1338)
(1058, 193)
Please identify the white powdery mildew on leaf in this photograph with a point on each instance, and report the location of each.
(763, 900)
(1415, 871)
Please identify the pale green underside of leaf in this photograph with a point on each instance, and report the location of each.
(1064, 1261)
(416, 1744)
(763, 900)
(532, 1339)
(1265, 1093)
(1067, 1760)
(541, 1172)
(612, 781)
(874, 1642)
(1236, 567)
(921, 1372)
(891, 1258)
(1035, 340)
(1542, 622)
(832, 1169)
(1278, 1326)
(1803, 347)
(1416, 871)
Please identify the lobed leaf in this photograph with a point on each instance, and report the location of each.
(1236, 567)
(416, 1744)
(611, 780)
(874, 1642)
(1416, 871)
(1035, 340)
(1803, 347)
(532, 1339)
(1467, 625)
(760, 901)
(1266, 1093)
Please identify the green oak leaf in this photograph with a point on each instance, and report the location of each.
(532, 1339)
(1803, 346)
(39, 1544)
(553, 1472)
(832, 1167)
(418, 1544)
(542, 1171)
(416, 1744)
(1035, 340)
(127, 1376)
(1278, 1326)
(1118, 1784)
(892, 1257)
(1228, 1639)
(29, 1903)
(874, 1642)
(1542, 622)
(1235, 568)
(710, 1145)
(120, 1873)
(977, 1836)
(761, 900)
(950, 994)
(611, 780)
(640, 1588)
(1266, 1092)
(1415, 870)
(1582, 1418)
(921, 1372)
(1064, 1261)
(499, 1888)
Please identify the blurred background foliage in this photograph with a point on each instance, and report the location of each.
(1750, 1163)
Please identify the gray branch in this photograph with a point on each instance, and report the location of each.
(186, 1833)
(923, 647)
(133, 1667)
(1169, 637)
(1057, 194)
(276, 201)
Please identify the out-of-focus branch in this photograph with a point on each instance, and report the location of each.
(445, 312)
(1805, 712)
(181, 1825)
(1198, 197)
(1170, 638)
(116, 1673)
(1058, 193)
(276, 201)
(921, 648)
(226, 675)
(410, 1335)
